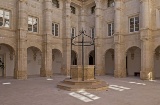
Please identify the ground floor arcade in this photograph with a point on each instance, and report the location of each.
(34, 59)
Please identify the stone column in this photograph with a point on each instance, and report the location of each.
(98, 41)
(67, 39)
(46, 69)
(120, 57)
(147, 54)
(20, 71)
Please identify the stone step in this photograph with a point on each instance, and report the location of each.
(100, 86)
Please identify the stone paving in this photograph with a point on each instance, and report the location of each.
(40, 91)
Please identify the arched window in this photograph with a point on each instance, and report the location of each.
(110, 3)
(55, 3)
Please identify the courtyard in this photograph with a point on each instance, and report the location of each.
(42, 91)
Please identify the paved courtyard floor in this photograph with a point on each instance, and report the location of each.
(43, 91)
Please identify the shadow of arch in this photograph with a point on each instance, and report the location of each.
(56, 61)
(133, 61)
(91, 57)
(7, 58)
(157, 63)
(109, 62)
(74, 57)
(34, 59)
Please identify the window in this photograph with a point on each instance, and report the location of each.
(55, 29)
(110, 3)
(134, 24)
(110, 29)
(32, 24)
(55, 3)
(73, 32)
(93, 9)
(73, 10)
(92, 32)
(4, 18)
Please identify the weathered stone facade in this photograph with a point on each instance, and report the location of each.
(25, 53)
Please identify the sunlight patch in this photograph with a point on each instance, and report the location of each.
(118, 88)
(49, 79)
(80, 97)
(137, 83)
(7, 83)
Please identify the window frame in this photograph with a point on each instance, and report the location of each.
(54, 23)
(110, 30)
(134, 24)
(3, 21)
(33, 25)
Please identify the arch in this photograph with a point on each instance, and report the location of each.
(91, 58)
(7, 59)
(157, 62)
(133, 61)
(109, 62)
(34, 58)
(74, 57)
(56, 61)
(33, 45)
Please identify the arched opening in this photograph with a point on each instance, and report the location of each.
(157, 63)
(73, 58)
(133, 61)
(56, 61)
(33, 61)
(109, 62)
(7, 61)
(92, 58)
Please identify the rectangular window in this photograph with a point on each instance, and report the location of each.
(32, 24)
(73, 10)
(4, 18)
(55, 29)
(110, 29)
(134, 24)
(92, 32)
(73, 32)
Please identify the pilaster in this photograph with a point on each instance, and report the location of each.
(98, 36)
(46, 69)
(20, 71)
(147, 54)
(120, 70)
(67, 39)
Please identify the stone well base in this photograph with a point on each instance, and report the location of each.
(74, 85)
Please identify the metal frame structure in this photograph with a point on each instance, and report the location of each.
(82, 43)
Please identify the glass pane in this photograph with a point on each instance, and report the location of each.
(53, 28)
(131, 24)
(29, 27)
(35, 27)
(112, 28)
(1, 18)
(73, 32)
(1, 21)
(136, 23)
(92, 32)
(109, 29)
(29, 20)
(6, 16)
(56, 29)
(6, 23)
